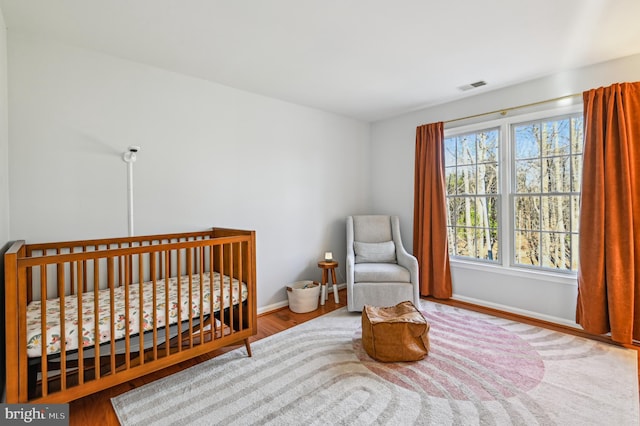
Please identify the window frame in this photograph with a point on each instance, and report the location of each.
(541, 194)
(498, 195)
(506, 215)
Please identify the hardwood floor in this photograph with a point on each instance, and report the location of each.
(96, 409)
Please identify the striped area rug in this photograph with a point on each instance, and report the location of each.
(481, 370)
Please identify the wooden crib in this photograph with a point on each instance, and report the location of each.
(117, 309)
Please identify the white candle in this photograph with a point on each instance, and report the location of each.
(328, 256)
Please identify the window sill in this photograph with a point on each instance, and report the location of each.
(570, 278)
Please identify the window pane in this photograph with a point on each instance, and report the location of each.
(527, 248)
(527, 141)
(556, 174)
(493, 206)
(466, 149)
(576, 173)
(527, 176)
(452, 241)
(486, 244)
(450, 151)
(487, 146)
(494, 254)
(466, 215)
(556, 213)
(488, 178)
(556, 137)
(556, 250)
(486, 212)
(481, 244)
(527, 213)
(456, 211)
(450, 178)
(465, 242)
(577, 136)
(466, 180)
(575, 214)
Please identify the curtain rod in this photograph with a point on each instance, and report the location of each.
(505, 110)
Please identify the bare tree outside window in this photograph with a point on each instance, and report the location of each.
(547, 164)
(473, 197)
(544, 180)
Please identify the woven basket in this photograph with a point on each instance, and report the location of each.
(303, 296)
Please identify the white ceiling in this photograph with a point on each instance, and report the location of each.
(368, 59)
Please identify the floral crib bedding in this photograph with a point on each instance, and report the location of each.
(53, 338)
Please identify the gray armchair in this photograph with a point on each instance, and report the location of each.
(380, 272)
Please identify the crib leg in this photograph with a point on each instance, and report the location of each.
(246, 344)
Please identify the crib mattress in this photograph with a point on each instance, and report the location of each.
(53, 336)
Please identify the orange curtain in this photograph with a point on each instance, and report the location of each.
(609, 269)
(429, 213)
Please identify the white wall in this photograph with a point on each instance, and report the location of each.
(4, 187)
(4, 137)
(211, 156)
(393, 148)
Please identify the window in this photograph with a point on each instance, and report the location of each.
(547, 164)
(473, 196)
(536, 225)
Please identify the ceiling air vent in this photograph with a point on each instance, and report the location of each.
(472, 85)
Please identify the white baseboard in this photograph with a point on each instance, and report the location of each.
(272, 307)
(523, 312)
(282, 304)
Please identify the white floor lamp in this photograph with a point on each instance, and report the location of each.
(129, 157)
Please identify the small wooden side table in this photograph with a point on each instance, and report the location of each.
(326, 266)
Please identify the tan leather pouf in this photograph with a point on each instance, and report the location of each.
(396, 333)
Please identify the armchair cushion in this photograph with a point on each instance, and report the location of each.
(380, 272)
(384, 252)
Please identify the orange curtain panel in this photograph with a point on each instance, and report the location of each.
(429, 213)
(609, 269)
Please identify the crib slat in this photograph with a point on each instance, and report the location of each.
(179, 298)
(63, 331)
(240, 280)
(190, 273)
(201, 302)
(167, 261)
(127, 283)
(229, 272)
(212, 294)
(112, 343)
(141, 306)
(80, 286)
(96, 318)
(223, 320)
(43, 328)
(154, 298)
